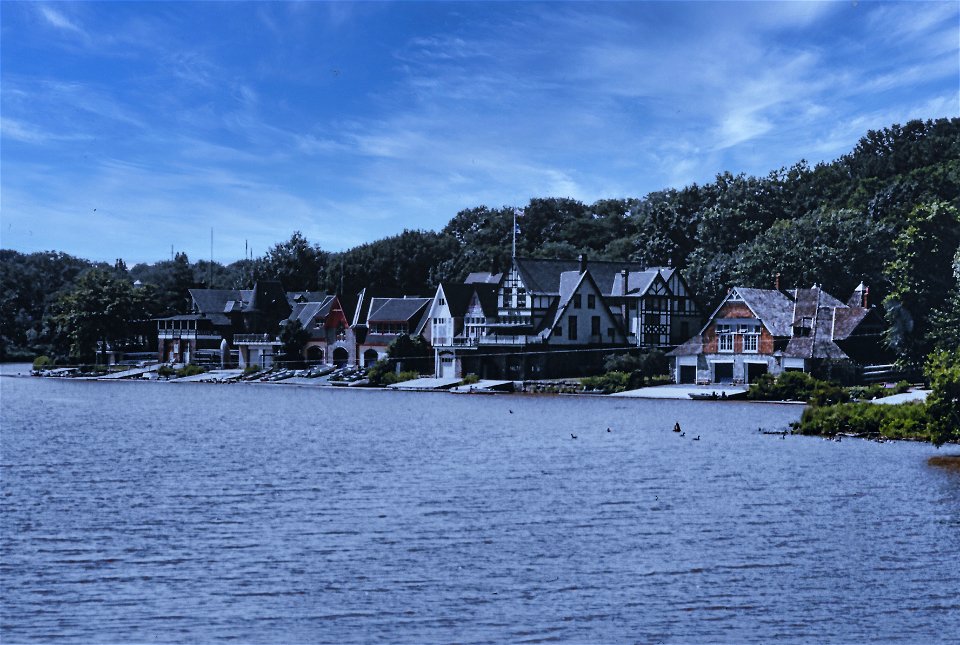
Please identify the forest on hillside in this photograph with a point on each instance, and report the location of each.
(887, 213)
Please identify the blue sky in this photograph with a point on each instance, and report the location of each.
(130, 127)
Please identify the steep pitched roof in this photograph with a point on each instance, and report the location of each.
(772, 307)
(268, 295)
(482, 277)
(572, 282)
(846, 320)
(487, 295)
(306, 312)
(458, 298)
(397, 309)
(210, 301)
(544, 276)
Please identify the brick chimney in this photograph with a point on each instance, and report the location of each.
(866, 297)
(582, 259)
(776, 282)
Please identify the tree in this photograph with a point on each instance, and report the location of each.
(297, 264)
(921, 278)
(293, 338)
(97, 312)
(942, 369)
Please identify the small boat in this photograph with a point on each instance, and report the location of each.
(718, 396)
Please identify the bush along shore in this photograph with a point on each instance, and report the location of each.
(831, 411)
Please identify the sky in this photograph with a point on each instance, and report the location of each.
(132, 128)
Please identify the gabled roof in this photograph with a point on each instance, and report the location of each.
(458, 297)
(209, 301)
(571, 288)
(306, 312)
(481, 277)
(544, 276)
(397, 309)
(487, 295)
(772, 307)
(846, 320)
(268, 295)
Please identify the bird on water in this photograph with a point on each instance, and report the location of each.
(573, 436)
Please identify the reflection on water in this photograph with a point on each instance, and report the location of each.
(185, 513)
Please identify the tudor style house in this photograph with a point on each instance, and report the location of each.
(541, 307)
(769, 331)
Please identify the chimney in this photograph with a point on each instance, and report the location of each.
(624, 276)
(866, 297)
(776, 282)
(582, 259)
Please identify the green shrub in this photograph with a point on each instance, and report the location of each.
(905, 421)
(42, 363)
(190, 370)
(470, 379)
(165, 371)
(607, 383)
(796, 386)
(390, 378)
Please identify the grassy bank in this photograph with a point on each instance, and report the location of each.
(937, 420)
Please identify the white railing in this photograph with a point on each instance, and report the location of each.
(248, 339)
(500, 339)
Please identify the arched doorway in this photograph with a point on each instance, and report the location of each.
(340, 357)
(315, 354)
(370, 357)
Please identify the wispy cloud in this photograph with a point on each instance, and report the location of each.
(57, 19)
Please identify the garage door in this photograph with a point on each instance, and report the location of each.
(755, 370)
(723, 372)
(688, 373)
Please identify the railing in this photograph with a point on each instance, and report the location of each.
(499, 339)
(455, 342)
(246, 339)
(176, 333)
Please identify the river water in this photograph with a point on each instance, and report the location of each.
(164, 512)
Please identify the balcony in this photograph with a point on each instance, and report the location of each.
(255, 339)
(501, 339)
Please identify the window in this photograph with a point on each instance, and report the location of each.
(595, 326)
(577, 301)
(610, 332)
(725, 342)
(750, 342)
(572, 327)
(591, 301)
(724, 337)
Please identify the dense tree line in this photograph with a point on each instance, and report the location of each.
(886, 214)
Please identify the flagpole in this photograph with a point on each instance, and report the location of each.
(513, 252)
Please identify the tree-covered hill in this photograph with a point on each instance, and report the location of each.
(886, 214)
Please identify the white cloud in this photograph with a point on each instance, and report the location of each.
(58, 20)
